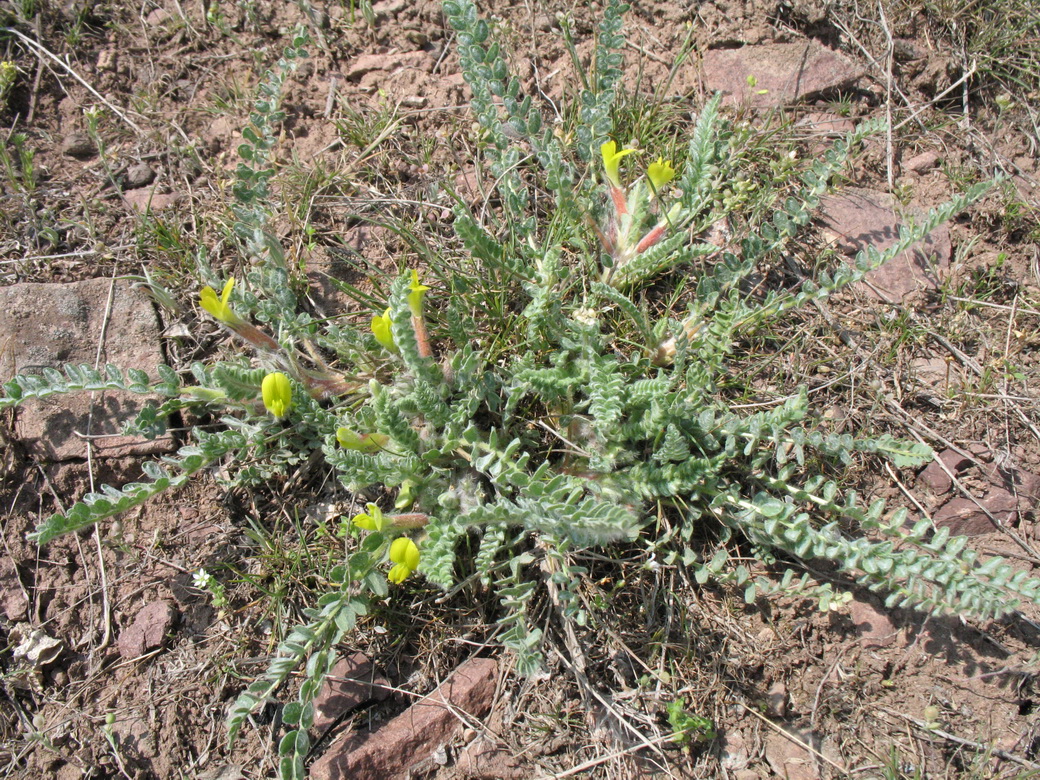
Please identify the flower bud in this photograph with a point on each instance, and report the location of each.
(277, 393)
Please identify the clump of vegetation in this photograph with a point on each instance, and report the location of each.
(528, 398)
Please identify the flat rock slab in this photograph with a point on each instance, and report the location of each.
(49, 325)
(777, 74)
(149, 629)
(965, 517)
(353, 681)
(414, 734)
(857, 218)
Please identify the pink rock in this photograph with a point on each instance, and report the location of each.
(964, 517)
(874, 627)
(857, 218)
(369, 63)
(150, 200)
(13, 602)
(935, 478)
(776, 700)
(49, 325)
(782, 73)
(414, 734)
(149, 629)
(923, 162)
(352, 682)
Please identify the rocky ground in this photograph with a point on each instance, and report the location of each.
(116, 665)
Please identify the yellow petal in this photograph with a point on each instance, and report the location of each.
(368, 442)
(373, 520)
(398, 573)
(660, 173)
(611, 161)
(405, 552)
(225, 294)
(218, 308)
(381, 330)
(277, 393)
(415, 295)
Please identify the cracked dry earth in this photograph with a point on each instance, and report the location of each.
(115, 665)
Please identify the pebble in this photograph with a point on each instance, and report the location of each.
(140, 175)
(79, 145)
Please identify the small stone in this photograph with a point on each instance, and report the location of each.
(79, 145)
(934, 476)
(923, 162)
(965, 518)
(108, 59)
(150, 200)
(13, 602)
(353, 681)
(149, 629)
(226, 772)
(734, 747)
(367, 63)
(874, 627)
(140, 175)
(776, 700)
(156, 17)
(906, 49)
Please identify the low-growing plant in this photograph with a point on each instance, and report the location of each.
(516, 401)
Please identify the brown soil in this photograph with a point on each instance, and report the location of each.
(856, 685)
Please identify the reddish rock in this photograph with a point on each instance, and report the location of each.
(156, 17)
(140, 175)
(150, 200)
(79, 145)
(414, 734)
(370, 63)
(352, 682)
(964, 517)
(734, 747)
(874, 627)
(782, 73)
(13, 601)
(49, 325)
(149, 629)
(935, 478)
(776, 700)
(858, 218)
(923, 162)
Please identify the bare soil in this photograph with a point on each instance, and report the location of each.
(376, 125)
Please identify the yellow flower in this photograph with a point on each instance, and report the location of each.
(367, 442)
(415, 295)
(660, 173)
(382, 332)
(372, 520)
(611, 161)
(218, 307)
(405, 555)
(277, 393)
